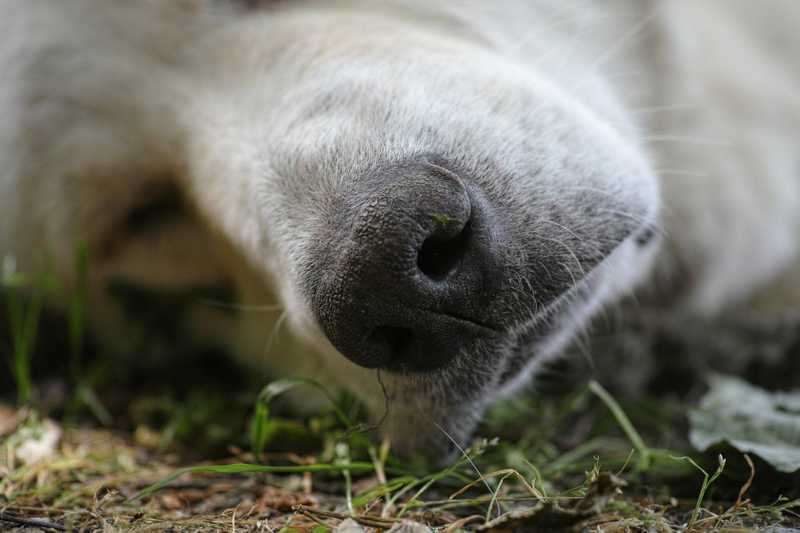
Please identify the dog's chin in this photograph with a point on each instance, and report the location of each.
(439, 436)
(433, 415)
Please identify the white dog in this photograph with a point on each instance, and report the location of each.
(442, 191)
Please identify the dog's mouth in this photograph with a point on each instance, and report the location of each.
(411, 354)
(508, 347)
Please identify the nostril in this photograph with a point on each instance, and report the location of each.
(392, 341)
(440, 255)
(645, 236)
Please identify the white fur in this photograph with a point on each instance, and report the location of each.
(101, 97)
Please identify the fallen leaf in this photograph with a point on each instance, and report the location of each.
(751, 420)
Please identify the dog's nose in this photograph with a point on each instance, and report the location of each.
(407, 288)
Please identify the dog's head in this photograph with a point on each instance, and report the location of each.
(428, 207)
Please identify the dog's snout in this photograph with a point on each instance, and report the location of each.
(406, 289)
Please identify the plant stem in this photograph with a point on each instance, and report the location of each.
(624, 422)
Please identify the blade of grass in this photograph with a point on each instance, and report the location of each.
(708, 480)
(343, 459)
(244, 468)
(77, 312)
(624, 422)
(504, 473)
(260, 421)
(18, 360)
(384, 489)
(465, 455)
(24, 314)
(429, 480)
(573, 459)
(494, 501)
(379, 461)
(426, 482)
(81, 380)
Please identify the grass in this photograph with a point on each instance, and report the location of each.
(260, 425)
(97, 478)
(708, 480)
(23, 319)
(582, 464)
(645, 454)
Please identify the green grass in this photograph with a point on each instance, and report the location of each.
(494, 481)
(146, 474)
(23, 314)
(262, 427)
(507, 488)
(645, 454)
(708, 480)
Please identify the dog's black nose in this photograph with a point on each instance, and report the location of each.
(407, 285)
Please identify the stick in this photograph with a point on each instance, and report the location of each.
(30, 522)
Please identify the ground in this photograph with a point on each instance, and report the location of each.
(164, 444)
(571, 468)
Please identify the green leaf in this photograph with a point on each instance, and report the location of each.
(751, 420)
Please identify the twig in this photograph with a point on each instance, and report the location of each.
(458, 525)
(364, 520)
(747, 483)
(742, 491)
(504, 472)
(30, 522)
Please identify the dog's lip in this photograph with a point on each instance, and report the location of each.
(472, 322)
(484, 330)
